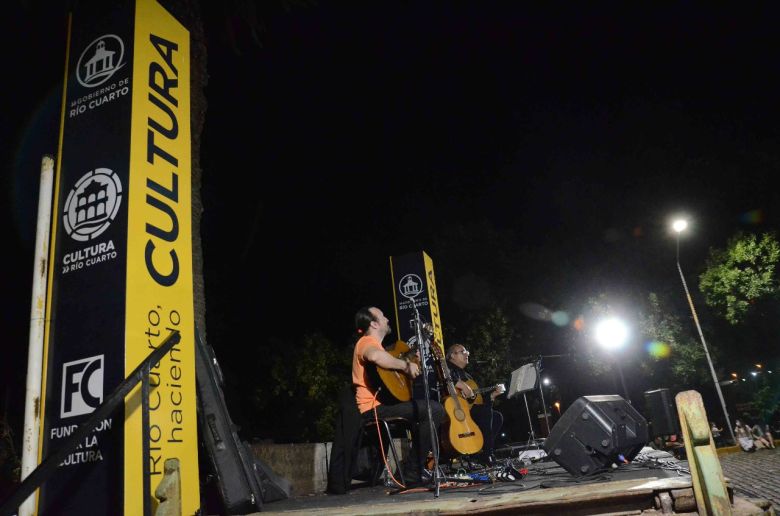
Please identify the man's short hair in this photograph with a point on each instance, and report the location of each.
(451, 351)
(363, 319)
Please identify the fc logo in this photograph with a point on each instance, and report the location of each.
(82, 386)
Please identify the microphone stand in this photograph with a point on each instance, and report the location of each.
(425, 353)
(538, 366)
(530, 423)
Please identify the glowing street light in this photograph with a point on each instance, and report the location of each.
(679, 226)
(612, 335)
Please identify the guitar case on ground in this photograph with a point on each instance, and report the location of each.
(243, 481)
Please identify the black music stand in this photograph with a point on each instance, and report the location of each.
(523, 380)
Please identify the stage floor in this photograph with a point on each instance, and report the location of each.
(546, 489)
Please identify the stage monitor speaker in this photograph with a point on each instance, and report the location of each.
(661, 412)
(523, 380)
(594, 432)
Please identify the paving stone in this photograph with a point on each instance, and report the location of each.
(755, 475)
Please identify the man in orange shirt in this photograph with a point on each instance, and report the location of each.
(372, 326)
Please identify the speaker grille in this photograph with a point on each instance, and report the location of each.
(594, 432)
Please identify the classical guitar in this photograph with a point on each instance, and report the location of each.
(479, 391)
(465, 436)
(395, 383)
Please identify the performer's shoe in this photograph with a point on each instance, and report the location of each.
(418, 479)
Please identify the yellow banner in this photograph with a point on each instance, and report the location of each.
(433, 300)
(159, 257)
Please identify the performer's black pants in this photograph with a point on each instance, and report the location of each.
(489, 422)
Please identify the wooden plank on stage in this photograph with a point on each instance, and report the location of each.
(594, 498)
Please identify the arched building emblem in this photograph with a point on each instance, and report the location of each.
(92, 204)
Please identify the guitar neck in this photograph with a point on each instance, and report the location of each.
(436, 352)
(450, 385)
(483, 390)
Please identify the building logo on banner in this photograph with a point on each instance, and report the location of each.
(410, 286)
(100, 60)
(92, 204)
(82, 386)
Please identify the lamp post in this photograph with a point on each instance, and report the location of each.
(679, 226)
(611, 334)
(545, 383)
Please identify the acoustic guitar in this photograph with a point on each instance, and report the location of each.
(464, 434)
(396, 385)
(479, 391)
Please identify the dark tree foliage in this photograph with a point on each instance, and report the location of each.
(296, 399)
(742, 274)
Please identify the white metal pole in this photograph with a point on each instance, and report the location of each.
(704, 345)
(32, 401)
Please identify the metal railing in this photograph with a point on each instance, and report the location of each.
(50, 464)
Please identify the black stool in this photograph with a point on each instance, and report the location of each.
(389, 427)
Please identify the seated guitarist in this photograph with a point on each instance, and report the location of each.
(488, 420)
(372, 326)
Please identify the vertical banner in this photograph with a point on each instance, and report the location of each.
(120, 272)
(159, 296)
(414, 284)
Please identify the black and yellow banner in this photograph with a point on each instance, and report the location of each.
(414, 292)
(414, 285)
(121, 274)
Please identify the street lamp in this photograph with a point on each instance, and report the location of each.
(611, 334)
(679, 226)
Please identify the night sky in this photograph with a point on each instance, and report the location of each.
(559, 140)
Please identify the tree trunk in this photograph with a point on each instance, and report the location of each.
(188, 12)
